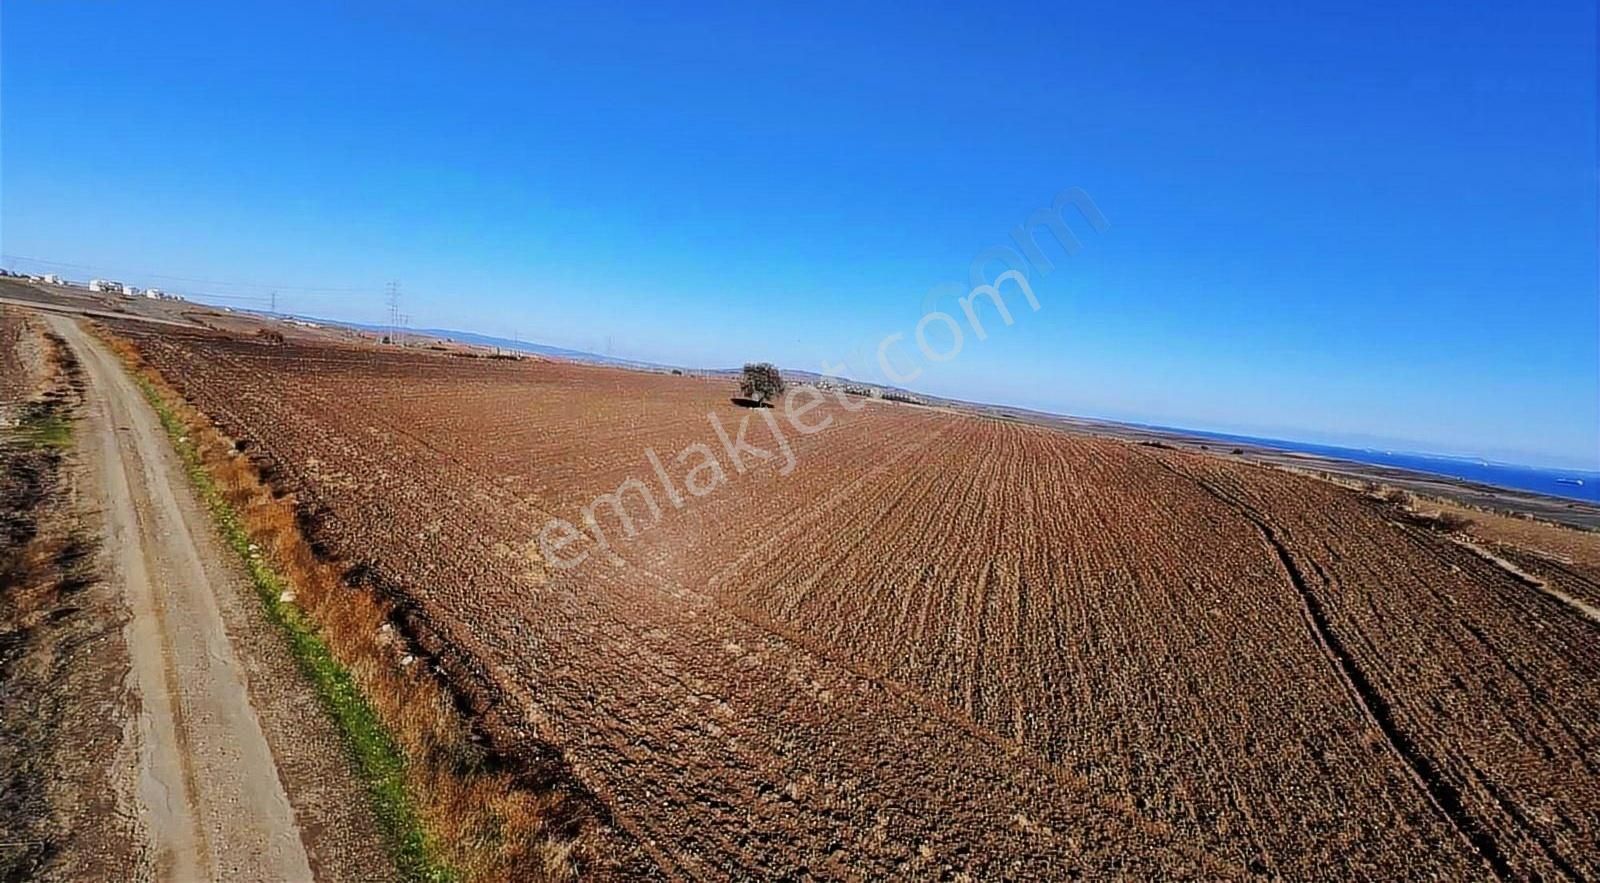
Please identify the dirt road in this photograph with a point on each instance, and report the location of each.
(215, 772)
(208, 785)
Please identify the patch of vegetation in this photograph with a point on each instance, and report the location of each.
(44, 560)
(43, 425)
(1407, 507)
(379, 760)
(761, 383)
(1397, 497)
(1444, 522)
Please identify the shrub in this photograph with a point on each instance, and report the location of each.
(1396, 497)
(761, 382)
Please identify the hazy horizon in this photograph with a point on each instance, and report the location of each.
(1281, 434)
(1349, 225)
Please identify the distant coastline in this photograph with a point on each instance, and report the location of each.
(1567, 484)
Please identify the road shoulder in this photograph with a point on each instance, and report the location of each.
(266, 782)
(67, 803)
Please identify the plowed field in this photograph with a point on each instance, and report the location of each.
(938, 644)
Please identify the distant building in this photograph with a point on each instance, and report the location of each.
(153, 293)
(109, 287)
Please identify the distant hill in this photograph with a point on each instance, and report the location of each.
(476, 339)
(539, 349)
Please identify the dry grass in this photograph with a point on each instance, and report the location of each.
(477, 821)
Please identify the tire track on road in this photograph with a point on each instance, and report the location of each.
(209, 785)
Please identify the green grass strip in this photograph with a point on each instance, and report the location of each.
(379, 760)
(44, 428)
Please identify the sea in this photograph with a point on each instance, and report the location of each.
(1564, 483)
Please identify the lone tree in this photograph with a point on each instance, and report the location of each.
(761, 383)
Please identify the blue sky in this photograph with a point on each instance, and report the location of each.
(1337, 222)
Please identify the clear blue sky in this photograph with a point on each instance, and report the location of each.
(1340, 222)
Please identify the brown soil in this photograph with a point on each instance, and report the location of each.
(940, 645)
(489, 818)
(66, 805)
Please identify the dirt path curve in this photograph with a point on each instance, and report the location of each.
(208, 785)
(1533, 582)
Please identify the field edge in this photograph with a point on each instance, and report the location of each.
(448, 814)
